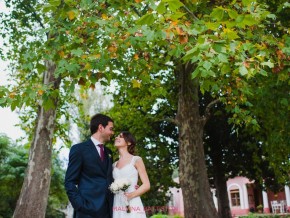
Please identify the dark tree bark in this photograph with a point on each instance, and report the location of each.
(32, 201)
(198, 201)
(218, 138)
(220, 182)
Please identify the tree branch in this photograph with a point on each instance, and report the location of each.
(171, 120)
(192, 14)
(29, 8)
(207, 113)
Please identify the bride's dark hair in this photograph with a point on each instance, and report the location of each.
(130, 139)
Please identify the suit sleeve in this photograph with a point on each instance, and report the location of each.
(72, 177)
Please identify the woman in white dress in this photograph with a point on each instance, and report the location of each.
(129, 167)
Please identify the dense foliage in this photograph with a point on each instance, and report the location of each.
(13, 162)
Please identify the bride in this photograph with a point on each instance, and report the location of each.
(129, 204)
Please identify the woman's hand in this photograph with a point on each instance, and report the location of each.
(129, 195)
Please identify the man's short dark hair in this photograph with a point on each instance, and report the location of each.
(98, 119)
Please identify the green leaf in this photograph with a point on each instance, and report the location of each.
(207, 65)
(40, 68)
(190, 54)
(223, 58)
(243, 70)
(249, 20)
(14, 104)
(247, 2)
(73, 3)
(149, 35)
(161, 9)
(174, 4)
(254, 122)
(284, 102)
(71, 87)
(72, 67)
(286, 5)
(225, 69)
(147, 19)
(48, 104)
(212, 26)
(268, 63)
(240, 21)
(77, 52)
(195, 73)
(2, 101)
(272, 16)
(177, 15)
(218, 13)
(54, 3)
(263, 72)
(230, 34)
(233, 14)
(219, 47)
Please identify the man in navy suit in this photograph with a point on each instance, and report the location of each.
(89, 172)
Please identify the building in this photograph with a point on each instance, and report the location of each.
(244, 197)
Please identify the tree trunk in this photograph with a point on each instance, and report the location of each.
(224, 210)
(32, 201)
(220, 181)
(219, 131)
(198, 201)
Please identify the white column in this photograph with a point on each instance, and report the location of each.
(246, 198)
(265, 199)
(213, 191)
(287, 192)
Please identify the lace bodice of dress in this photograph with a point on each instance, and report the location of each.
(128, 171)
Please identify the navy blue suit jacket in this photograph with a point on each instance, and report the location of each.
(87, 180)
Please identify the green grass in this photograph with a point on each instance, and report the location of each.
(260, 215)
(165, 216)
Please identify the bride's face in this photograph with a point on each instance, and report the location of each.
(120, 141)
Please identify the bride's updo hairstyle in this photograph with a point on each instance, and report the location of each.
(130, 139)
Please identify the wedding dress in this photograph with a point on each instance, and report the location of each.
(119, 209)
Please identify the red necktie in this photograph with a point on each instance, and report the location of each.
(102, 154)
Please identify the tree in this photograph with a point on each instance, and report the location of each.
(156, 143)
(57, 200)
(38, 75)
(220, 54)
(232, 152)
(32, 51)
(13, 161)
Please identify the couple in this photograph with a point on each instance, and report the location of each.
(91, 171)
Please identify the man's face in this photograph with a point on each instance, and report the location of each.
(108, 131)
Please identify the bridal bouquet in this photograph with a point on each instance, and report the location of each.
(119, 186)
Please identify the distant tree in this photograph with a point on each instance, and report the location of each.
(13, 162)
(239, 151)
(157, 144)
(57, 199)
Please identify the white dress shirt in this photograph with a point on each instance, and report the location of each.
(96, 142)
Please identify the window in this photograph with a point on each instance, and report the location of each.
(171, 200)
(235, 197)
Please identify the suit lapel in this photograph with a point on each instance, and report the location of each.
(108, 157)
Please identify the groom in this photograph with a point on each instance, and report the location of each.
(89, 172)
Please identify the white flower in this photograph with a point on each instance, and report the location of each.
(114, 187)
(120, 185)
